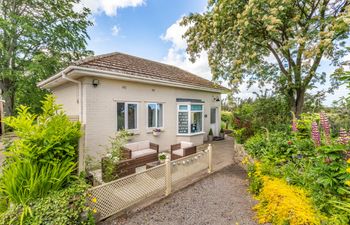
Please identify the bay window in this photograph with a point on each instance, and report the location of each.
(127, 113)
(190, 118)
(155, 115)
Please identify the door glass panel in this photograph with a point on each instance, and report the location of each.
(213, 115)
(196, 122)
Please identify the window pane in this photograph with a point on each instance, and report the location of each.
(160, 115)
(152, 115)
(182, 107)
(196, 122)
(213, 115)
(132, 116)
(182, 123)
(120, 116)
(196, 107)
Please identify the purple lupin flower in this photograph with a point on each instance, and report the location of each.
(326, 127)
(343, 136)
(294, 123)
(315, 134)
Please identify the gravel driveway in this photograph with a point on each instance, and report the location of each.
(221, 198)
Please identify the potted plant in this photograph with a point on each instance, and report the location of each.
(222, 133)
(162, 157)
(156, 131)
(210, 135)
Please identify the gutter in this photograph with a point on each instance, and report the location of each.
(135, 77)
(125, 76)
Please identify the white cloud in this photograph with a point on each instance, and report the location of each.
(115, 30)
(177, 55)
(109, 7)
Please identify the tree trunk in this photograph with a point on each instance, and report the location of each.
(296, 101)
(8, 93)
(299, 102)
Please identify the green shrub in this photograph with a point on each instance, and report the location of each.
(24, 180)
(45, 138)
(39, 164)
(114, 155)
(67, 206)
(227, 118)
(304, 124)
(293, 158)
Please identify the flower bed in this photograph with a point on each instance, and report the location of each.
(304, 169)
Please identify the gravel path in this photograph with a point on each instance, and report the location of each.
(221, 198)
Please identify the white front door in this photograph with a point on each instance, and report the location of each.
(214, 123)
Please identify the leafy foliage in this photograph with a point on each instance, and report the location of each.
(37, 39)
(265, 112)
(23, 180)
(39, 169)
(46, 138)
(114, 155)
(293, 158)
(227, 118)
(240, 36)
(66, 206)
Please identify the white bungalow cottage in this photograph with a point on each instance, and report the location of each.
(116, 91)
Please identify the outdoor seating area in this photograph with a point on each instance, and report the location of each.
(156, 178)
(141, 152)
(182, 149)
(139, 156)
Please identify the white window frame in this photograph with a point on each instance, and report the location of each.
(189, 118)
(157, 105)
(126, 115)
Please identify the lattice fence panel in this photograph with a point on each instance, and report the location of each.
(117, 195)
(187, 166)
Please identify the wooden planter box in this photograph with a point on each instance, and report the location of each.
(121, 169)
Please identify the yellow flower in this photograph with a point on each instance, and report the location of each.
(94, 200)
(245, 160)
(348, 170)
(279, 202)
(348, 161)
(94, 211)
(347, 182)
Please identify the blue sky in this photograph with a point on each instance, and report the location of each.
(140, 28)
(150, 29)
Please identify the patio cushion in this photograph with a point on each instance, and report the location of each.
(143, 145)
(143, 152)
(132, 146)
(185, 144)
(179, 152)
(136, 146)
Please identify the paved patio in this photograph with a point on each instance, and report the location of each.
(223, 152)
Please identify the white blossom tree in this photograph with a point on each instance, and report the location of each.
(242, 36)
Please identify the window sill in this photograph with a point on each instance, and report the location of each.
(192, 134)
(150, 130)
(133, 132)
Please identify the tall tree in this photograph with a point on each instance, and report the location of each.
(37, 38)
(242, 36)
